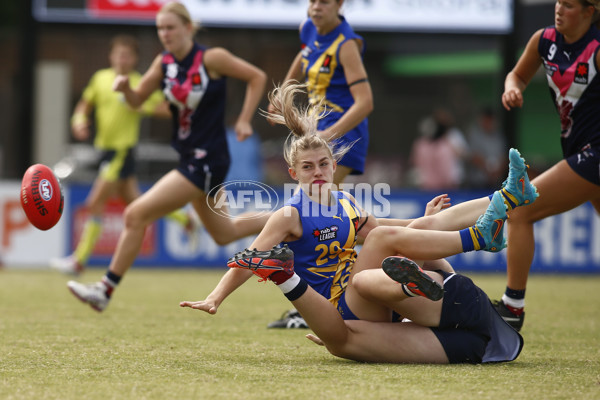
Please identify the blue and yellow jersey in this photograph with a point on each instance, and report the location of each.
(117, 124)
(325, 254)
(326, 82)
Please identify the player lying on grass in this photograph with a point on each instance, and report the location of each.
(332, 285)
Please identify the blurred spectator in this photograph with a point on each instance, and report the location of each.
(437, 154)
(488, 161)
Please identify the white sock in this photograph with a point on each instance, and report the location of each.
(515, 303)
(290, 284)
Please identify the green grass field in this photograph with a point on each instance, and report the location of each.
(144, 346)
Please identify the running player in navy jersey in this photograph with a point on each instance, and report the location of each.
(330, 62)
(569, 53)
(319, 272)
(192, 77)
(116, 135)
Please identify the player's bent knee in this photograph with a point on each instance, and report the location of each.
(133, 218)
(422, 223)
(364, 284)
(221, 239)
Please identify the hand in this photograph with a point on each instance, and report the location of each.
(243, 130)
(512, 98)
(437, 204)
(315, 339)
(121, 83)
(203, 305)
(81, 131)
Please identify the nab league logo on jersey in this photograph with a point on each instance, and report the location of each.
(196, 79)
(326, 233)
(581, 73)
(550, 68)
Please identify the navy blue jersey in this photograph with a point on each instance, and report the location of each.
(326, 82)
(198, 107)
(574, 86)
(325, 253)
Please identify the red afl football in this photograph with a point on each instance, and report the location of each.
(41, 197)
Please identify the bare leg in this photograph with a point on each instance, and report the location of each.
(129, 190)
(415, 244)
(225, 228)
(552, 186)
(368, 341)
(391, 342)
(152, 205)
(101, 191)
(375, 286)
(457, 217)
(386, 241)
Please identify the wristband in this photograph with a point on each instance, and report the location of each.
(79, 119)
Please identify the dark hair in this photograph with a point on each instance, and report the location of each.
(125, 40)
(596, 5)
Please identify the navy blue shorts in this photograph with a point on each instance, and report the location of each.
(586, 164)
(466, 321)
(116, 164)
(205, 173)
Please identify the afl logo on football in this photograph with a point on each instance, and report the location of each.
(45, 189)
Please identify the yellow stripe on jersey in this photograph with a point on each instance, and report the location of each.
(318, 81)
(347, 255)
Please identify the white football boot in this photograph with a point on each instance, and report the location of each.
(67, 265)
(93, 294)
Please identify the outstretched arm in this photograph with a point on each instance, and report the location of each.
(148, 84)
(284, 224)
(518, 79)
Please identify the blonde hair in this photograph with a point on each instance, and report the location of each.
(181, 11)
(301, 121)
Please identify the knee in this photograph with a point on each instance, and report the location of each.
(222, 239)
(522, 216)
(134, 218)
(380, 233)
(386, 236)
(423, 223)
(364, 284)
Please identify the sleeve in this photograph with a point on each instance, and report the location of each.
(90, 92)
